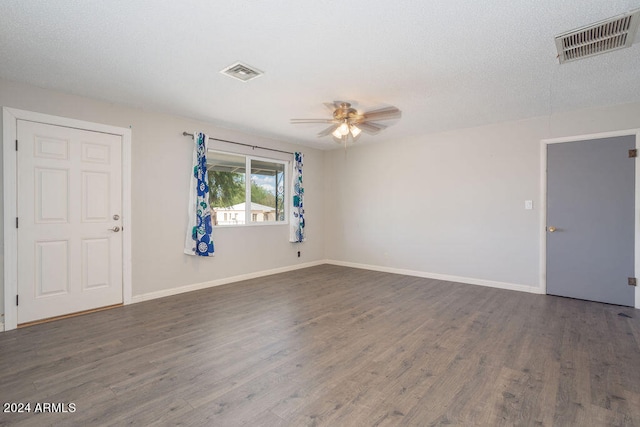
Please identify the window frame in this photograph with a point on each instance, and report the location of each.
(247, 190)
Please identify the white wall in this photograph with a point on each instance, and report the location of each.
(161, 160)
(461, 195)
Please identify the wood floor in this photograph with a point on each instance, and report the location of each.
(332, 346)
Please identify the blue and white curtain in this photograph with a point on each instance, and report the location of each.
(199, 241)
(296, 220)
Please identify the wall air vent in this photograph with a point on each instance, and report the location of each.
(604, 36)
(242, 72)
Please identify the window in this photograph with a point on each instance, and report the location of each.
(238, 199)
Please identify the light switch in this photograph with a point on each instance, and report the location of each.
(528, 204)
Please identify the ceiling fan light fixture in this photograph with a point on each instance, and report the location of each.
(336, 133)
(344, 129)
(355, 131)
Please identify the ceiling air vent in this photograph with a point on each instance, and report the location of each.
(604, 36)
(242, 72)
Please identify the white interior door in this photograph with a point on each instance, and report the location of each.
(69, 186)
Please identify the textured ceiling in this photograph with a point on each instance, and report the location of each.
(446, 64)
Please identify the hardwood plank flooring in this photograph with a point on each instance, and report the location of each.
(332, 346)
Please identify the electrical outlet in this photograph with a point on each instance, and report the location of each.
(298, 254)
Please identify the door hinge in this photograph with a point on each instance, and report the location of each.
(16, 145)
(17, 300)
(633, 153)
(632, 281)
(16, 222)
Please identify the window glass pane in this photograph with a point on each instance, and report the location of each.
(267, 191)
(226, 188)
(229, 186)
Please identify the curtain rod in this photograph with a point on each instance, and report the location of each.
(240, 143)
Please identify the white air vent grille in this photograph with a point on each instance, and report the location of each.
(242, 72)
(604, 36)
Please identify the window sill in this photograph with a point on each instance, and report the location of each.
(256, 224)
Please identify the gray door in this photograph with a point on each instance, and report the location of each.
(590, 219)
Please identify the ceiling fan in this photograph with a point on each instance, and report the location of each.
(347, 123)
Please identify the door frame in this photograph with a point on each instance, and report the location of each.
(543, 201)
(10, 117)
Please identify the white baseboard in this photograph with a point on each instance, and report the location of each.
(446, 277)
(1, 326)
(224, 281)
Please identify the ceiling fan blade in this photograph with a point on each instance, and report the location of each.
(371, 128)
(331, 106)
(328, 130)
(298, 121)
(386, 113)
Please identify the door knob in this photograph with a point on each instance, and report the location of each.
(114, 229)
(552, 229)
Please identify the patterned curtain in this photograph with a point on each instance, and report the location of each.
(198, 241)
(296, 232)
